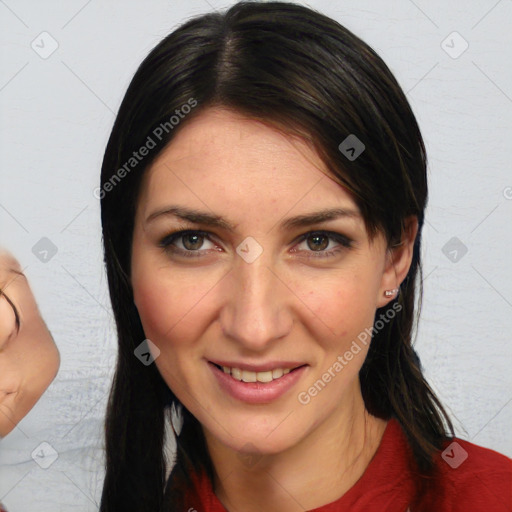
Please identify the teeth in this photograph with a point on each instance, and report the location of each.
(278, 372)
(263, 376)
(248, 376)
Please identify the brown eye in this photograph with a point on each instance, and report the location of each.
(192, 241)
(319, 242)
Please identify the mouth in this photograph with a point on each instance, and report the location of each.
(272, 381)
(266, 376)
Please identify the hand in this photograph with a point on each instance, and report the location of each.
(29, 358)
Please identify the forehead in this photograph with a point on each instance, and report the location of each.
(216, 126)
(222, 157)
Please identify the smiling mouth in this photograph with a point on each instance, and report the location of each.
(251, 376)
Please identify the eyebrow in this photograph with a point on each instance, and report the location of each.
(212, 220)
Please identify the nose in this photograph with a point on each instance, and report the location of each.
(257, 311)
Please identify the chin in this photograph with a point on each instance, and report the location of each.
(257, 440)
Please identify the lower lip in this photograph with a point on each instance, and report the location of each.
(257, 392)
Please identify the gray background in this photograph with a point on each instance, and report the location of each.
(57, 113)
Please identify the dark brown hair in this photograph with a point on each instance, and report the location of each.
(291, 66)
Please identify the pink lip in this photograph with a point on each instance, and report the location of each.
(263, 367)
(257, 392)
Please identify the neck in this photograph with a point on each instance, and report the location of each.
(329, 459)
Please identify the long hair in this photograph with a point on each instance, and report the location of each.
(307, 75)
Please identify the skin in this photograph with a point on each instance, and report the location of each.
(288, 304)
(29, 358)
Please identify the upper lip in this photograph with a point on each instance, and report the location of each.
(261, 367)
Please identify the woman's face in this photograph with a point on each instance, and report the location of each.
(252, 292)
(29, 359)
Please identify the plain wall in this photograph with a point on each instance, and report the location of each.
(57, 113)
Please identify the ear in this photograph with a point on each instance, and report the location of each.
(398, 261)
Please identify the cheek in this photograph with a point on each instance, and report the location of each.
(168, 307)
(37, 361)
(173, 316)
(343, 303)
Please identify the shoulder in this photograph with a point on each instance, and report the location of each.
(471, 477)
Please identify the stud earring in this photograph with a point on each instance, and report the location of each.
(390, 293)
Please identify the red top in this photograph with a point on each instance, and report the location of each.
(467, 478)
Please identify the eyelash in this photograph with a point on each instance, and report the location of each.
(167, 242)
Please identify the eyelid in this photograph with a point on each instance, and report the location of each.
(167, 240)
(344, 241)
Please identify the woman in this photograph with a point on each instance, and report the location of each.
(29, 358)
(262, 199)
